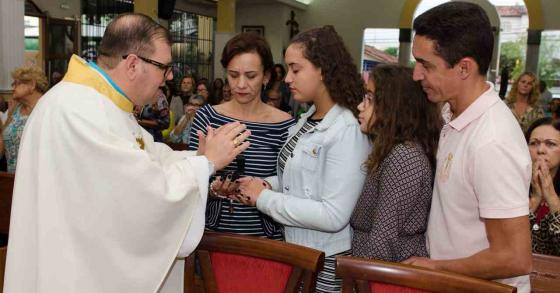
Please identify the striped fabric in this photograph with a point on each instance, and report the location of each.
(260, 161)
(326, 280)
(290, 146)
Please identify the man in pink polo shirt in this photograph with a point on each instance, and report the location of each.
(478, 223)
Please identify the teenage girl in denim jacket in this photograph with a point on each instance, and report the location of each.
(320, 168)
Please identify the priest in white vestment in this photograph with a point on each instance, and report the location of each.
(97, 205)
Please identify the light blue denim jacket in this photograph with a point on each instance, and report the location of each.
(315, 196)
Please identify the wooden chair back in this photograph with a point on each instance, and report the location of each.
(545, 276)
(237, 263)
(6, 190)
(366, 274)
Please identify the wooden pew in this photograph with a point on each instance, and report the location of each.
(239, 263)
(3, 251)
(6, 190)
(369, 275)
(545, 276)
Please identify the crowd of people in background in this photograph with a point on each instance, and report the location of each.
(418, 148)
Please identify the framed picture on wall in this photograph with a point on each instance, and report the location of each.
(259, 29)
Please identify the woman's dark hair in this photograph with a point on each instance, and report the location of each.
(324, 48)
(216, 91)
(403, 114)
(555, 123)
(282, 70)
(248, 43)
(541, 122)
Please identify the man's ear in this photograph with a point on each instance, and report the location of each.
(131, 66)
(466, 67)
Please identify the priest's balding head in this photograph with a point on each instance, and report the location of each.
(135, 51)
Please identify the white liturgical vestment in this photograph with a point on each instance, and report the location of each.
(97, 205)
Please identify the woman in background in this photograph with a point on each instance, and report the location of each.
(226, 93)
(543, 137)
(29, 84)
(181, 132)
(523, 100)
(217, 91)
(391, 216)
(155, 117)
(202, 90)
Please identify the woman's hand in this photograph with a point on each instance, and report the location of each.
(250, 189)
(536, 190)
(224, 187)
(547, 186)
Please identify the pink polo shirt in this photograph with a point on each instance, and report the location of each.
(483, 171)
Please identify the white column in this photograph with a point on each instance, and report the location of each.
(533, 47)
(493, 68)
(405, 45)
(224, 32)
(11, 41)
(220, 40)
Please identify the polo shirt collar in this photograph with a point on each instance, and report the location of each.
(476, 109)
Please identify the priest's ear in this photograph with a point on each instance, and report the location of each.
(132, 66)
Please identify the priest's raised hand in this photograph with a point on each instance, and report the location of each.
(221, 146)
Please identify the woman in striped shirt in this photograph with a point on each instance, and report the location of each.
(248, 62)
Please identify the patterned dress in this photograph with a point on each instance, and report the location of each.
(531, 114)
(545, 226)
(266, 140)
(391, 215)
(546, 234)
(12, 135)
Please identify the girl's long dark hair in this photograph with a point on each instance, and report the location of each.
(324, 48)
(403, 114)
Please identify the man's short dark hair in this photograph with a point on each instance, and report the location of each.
(459, 30)
(130, 33)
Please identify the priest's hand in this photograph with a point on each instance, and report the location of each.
(223, 145)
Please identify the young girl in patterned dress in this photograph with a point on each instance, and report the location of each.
(391, 215)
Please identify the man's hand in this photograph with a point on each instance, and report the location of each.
(223, 145)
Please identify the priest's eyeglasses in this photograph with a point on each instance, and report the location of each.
(165, 67)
